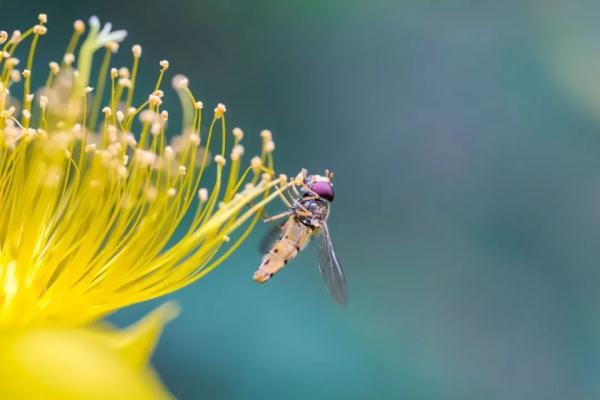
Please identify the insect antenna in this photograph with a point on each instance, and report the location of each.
(329, 175)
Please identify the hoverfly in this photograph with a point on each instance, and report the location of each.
(307, 217)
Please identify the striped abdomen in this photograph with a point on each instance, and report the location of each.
(295, 238)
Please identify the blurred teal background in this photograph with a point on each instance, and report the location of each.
(465, 139)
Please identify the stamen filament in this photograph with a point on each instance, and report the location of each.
(90, 206)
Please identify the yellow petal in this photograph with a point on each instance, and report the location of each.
(83, 363)
(137, 342)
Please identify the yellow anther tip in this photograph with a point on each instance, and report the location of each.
(266, 135)
(269, 146)
(40, 30)
(136, 49)
(203, 195)
(180, 82)
(238, 133)
(220, 110)
(79, 26)
(220, 160)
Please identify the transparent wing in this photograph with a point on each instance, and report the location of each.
(273, 235)
(330, 268)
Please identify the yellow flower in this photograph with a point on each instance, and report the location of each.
(95, 362)
(92, 195)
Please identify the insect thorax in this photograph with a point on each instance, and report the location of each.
(319, 210)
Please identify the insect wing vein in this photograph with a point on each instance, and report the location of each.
(330, 267)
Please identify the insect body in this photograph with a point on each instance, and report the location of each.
(307, 217)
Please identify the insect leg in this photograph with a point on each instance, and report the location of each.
(285, 200)
(278, 216)
(296, 191)
(310, 198)
(304, 212)
(303, 209)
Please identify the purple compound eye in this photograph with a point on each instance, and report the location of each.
(323, 189)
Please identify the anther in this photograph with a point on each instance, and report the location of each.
(266, 135)
(54, 67)
(220, 160)
(15, 75)
(269, 146)
(122, 171)
(147, 116)
(112, 46)
(220, 110)
(237, 152)
(156, 128)
(256, 163)
(40, 30)
(136, 50)
(266, 177)
(154, 100)
(12, 62)
(195, 139)
(180, 82)
(238, 133)
(203, 195)
(79, 26)
(15, 37)
(124, 82)
(69, 58)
